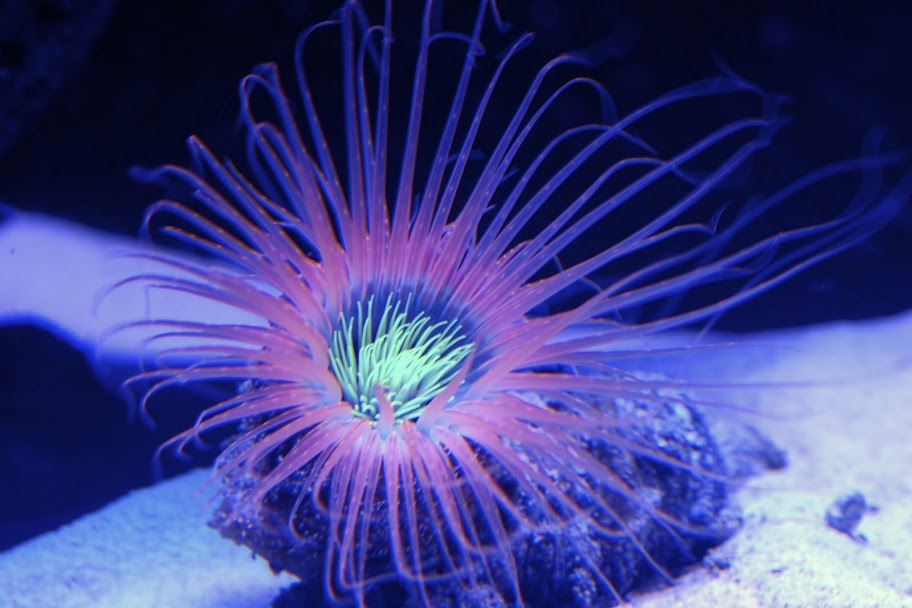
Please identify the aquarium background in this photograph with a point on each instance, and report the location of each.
(127, 82)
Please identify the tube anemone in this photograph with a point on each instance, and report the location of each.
(402, 390)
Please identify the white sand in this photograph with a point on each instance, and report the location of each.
(152, 548)
(842, 437)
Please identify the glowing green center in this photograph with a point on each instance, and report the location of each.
(402, 350)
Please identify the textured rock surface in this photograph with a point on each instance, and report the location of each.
(551, 571)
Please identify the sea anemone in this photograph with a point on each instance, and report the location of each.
(440, 354)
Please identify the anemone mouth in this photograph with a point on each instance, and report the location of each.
(393, 351)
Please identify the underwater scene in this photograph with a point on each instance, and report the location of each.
(455, 304)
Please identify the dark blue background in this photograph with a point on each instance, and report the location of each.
(162, 70)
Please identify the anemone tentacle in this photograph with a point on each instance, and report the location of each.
(399, 364)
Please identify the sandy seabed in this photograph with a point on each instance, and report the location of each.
(849, 430)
